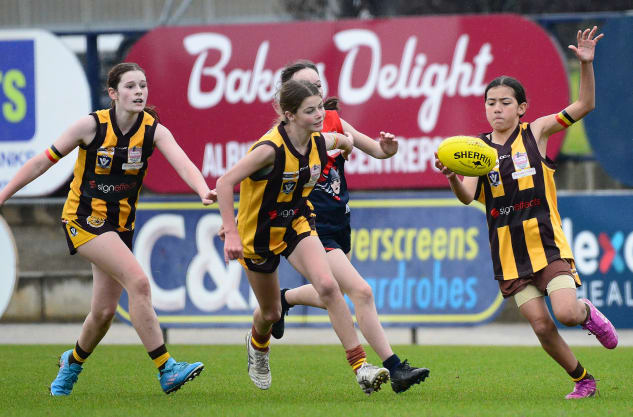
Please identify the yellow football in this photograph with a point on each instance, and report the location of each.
(467, 155)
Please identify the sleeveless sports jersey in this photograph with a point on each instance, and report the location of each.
(330, 196)
(524, 226)
(271, 203)
(109, 172)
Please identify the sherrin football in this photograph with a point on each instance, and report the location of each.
(467, 155)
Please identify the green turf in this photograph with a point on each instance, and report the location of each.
(316, 381)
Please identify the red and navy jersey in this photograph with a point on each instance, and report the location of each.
(330, 195)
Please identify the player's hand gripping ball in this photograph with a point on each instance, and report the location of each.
(467, 155)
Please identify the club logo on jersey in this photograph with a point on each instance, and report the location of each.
(134, 154)
(258, 261)
(95, 222)
(288, 187)
(315, 173)
(520, 160)
(105, 157)
(494, 178)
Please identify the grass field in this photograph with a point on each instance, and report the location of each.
(316, 381)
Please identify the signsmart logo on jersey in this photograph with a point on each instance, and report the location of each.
(37, 104)
(427, 260)
(214, 78)
(17, 96)
(603, 250)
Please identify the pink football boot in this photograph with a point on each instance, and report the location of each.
(600, 326)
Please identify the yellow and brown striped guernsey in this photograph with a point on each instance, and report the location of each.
(109, 171)
(270, 202)
(525, 229)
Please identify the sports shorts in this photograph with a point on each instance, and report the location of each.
(269, 263)
(540, 280)
(85, 228)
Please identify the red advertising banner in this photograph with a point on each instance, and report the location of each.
(422, 79)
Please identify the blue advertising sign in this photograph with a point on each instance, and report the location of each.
(600, 232)
(17, 90)
(426, 258)
(608, 126)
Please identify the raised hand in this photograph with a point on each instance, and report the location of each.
(586, 44)
(388, 143)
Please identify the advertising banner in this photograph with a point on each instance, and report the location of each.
(600, 232)
(426, 257)
(608, 125)
(43, 89)
(421, 78)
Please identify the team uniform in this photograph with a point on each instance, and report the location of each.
(330, 196)
(273, 214)
(527, 242)
(107, 180)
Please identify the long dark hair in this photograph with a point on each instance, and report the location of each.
(331, 103)
(292, 93)
(114, 78)
(513, 83)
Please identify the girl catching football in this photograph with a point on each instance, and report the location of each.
(530, 254)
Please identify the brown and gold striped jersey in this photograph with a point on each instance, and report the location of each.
(524, 225)
(271, 202)
(109, 171)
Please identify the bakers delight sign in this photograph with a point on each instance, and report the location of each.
(422, 79)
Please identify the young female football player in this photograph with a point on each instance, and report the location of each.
(530, 254)
(330, 200)
(274, 219)
(98, 217)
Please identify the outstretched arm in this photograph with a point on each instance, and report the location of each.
(178, 159)
(82, 131)
(385, 147)
(545, 126)
(334, 140)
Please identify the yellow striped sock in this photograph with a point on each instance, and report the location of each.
(260, 345)
(160, 361)
(78, 358)
(358, 364)
(584, 373)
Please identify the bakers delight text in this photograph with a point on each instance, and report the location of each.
(414, 77)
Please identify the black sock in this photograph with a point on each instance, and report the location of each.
(579, 373)
(83, 355)
(159, 355)
(391, 363)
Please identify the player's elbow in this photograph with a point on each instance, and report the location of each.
(465, 200)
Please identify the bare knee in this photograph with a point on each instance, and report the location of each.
(103, 316)
(362, 294)
(543, 328)
(567, 316)
(138, 286)
(271, 315)
(327, 289)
